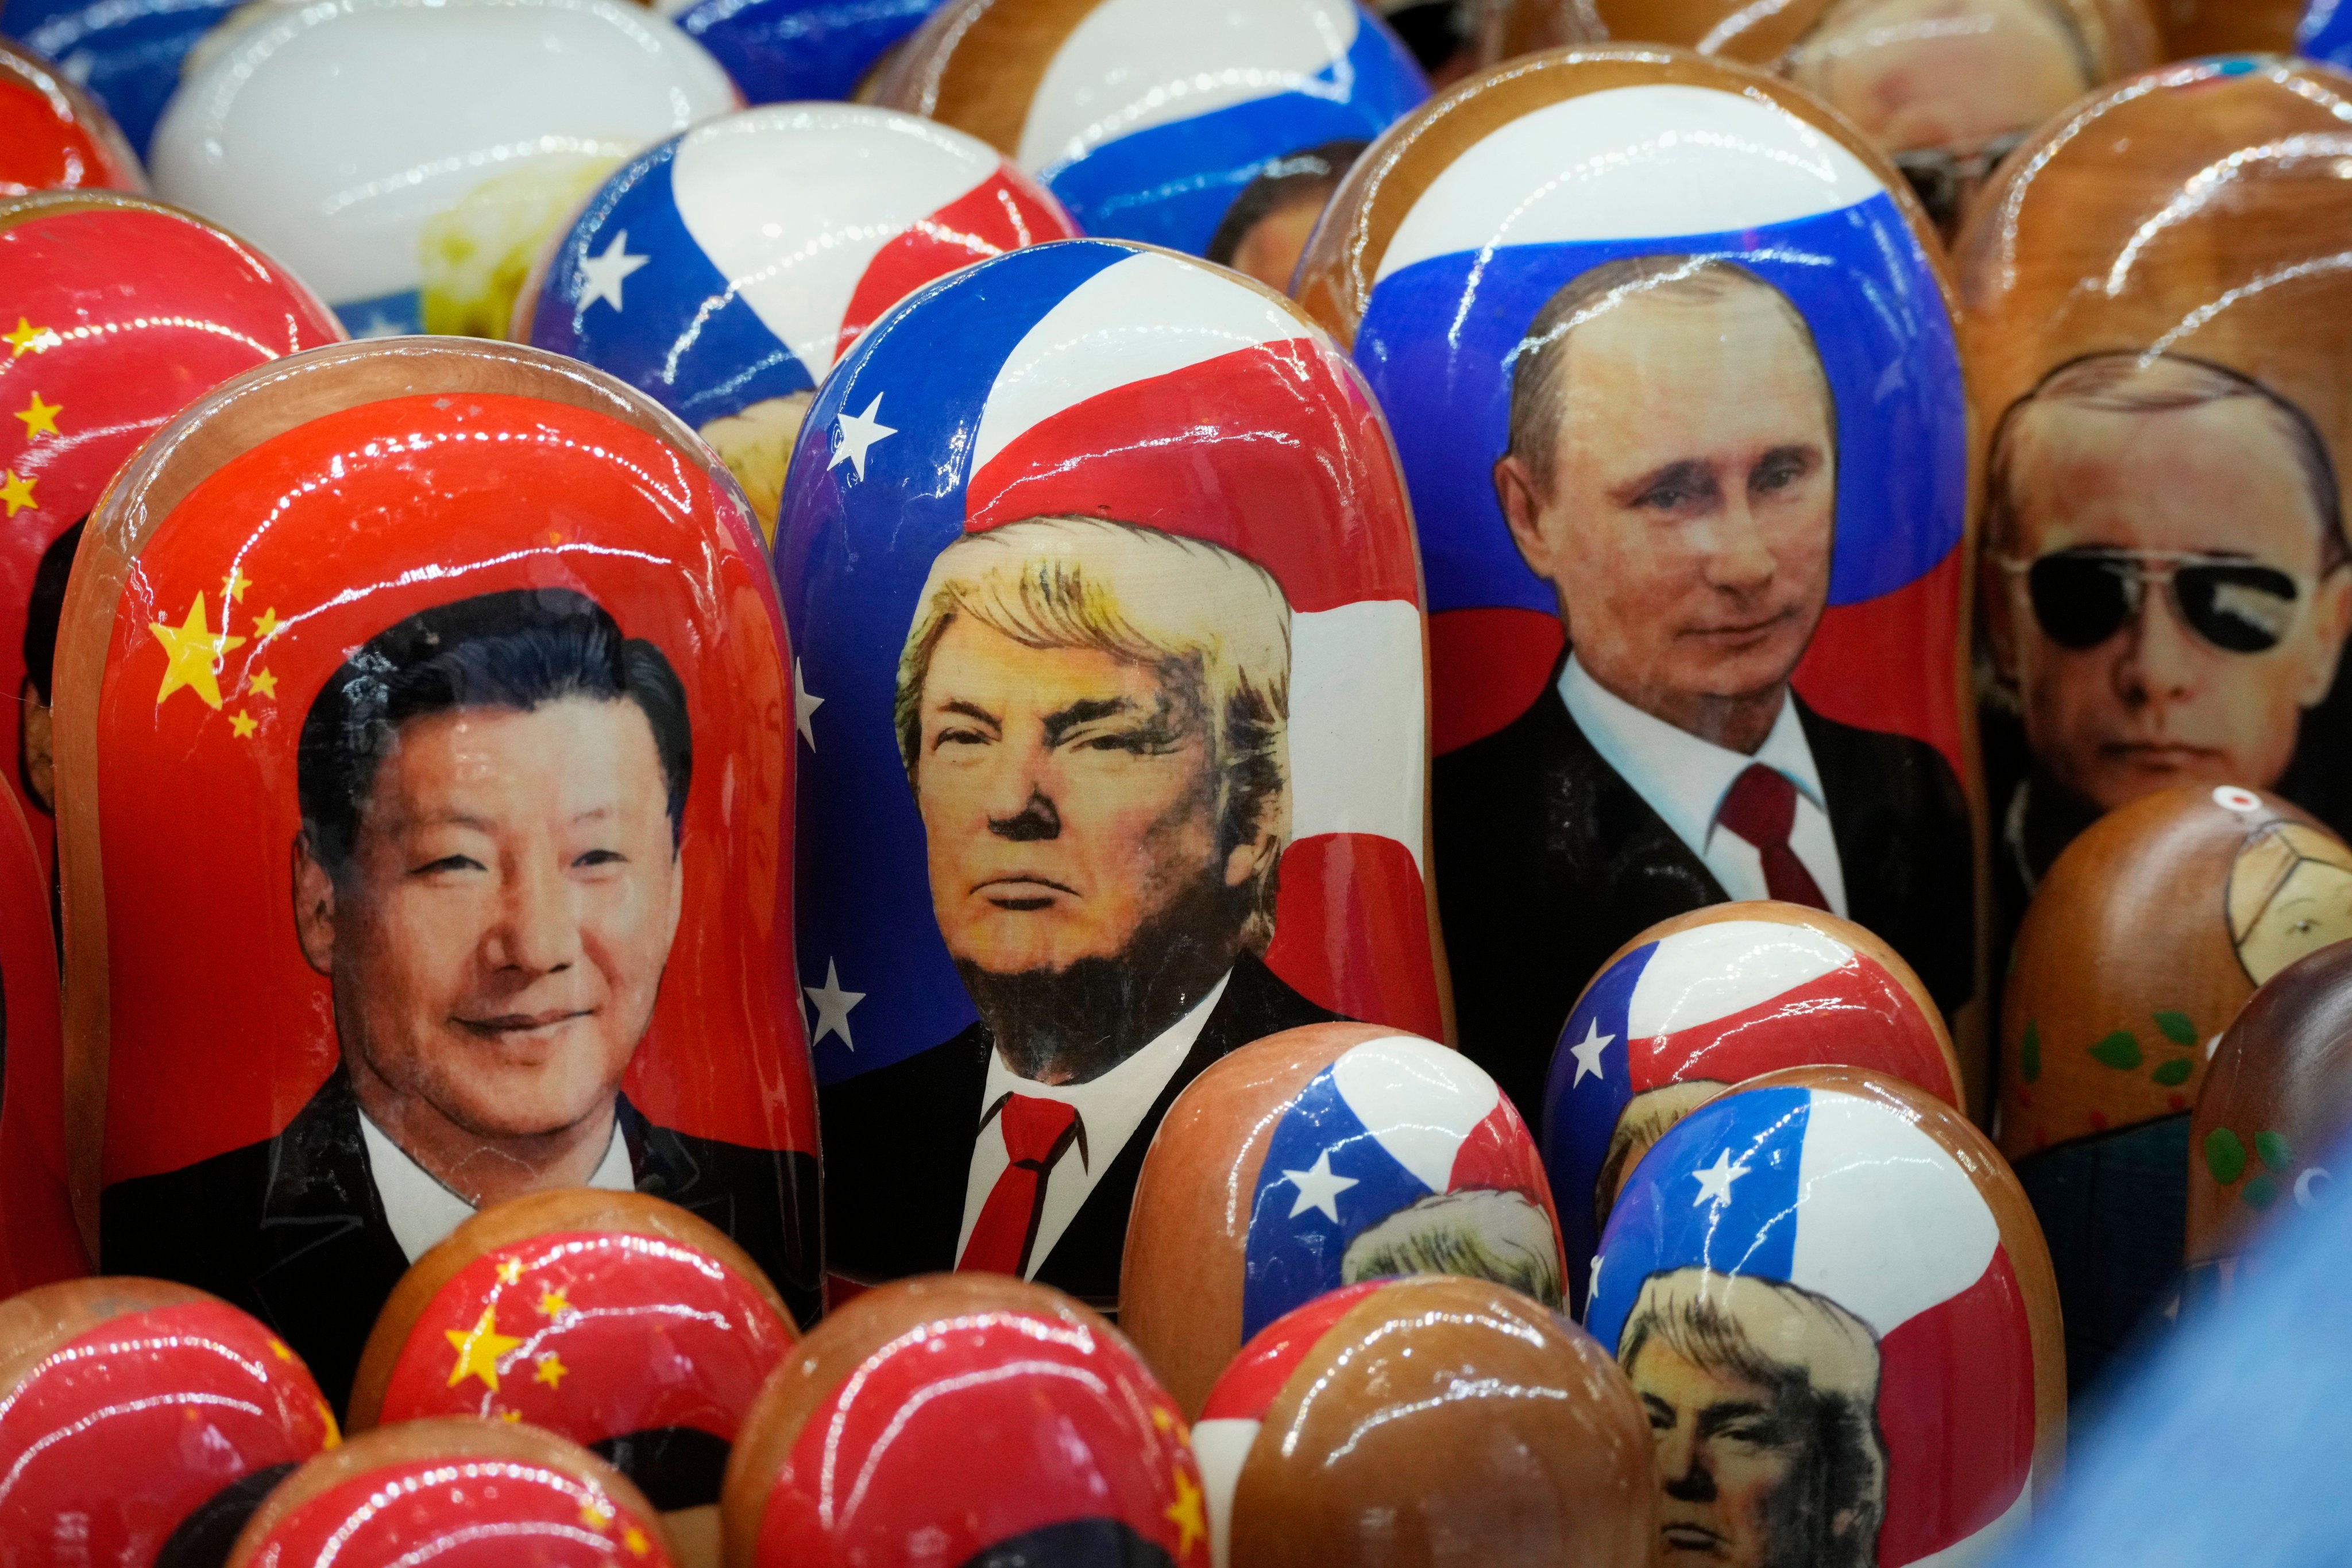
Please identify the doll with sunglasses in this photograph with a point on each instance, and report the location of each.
(2166, 599)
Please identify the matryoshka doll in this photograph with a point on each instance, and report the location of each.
(1218, 131)
(723, 273)
(1834, 1269)
(2277, 1100)
(2194, 28)
(1112, 716)
(445, 681)
(2157, 326)
(1701, 1001)
(410, 157)
(614, 1320)
(53, 137)
(1318, 1159)
(460, 1492)
(140, 1422)
(787, 51)
(39, 1241)
(1417, 1422)
(968, 1421)
(1750, 476)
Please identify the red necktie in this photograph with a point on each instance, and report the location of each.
(1036, 1132)
(1761, 807)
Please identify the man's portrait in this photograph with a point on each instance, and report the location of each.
(487, 872)
(1264, 231)
(1762, 1399)
(1093, 719)
(2165, 596)
(1671, 472)
(1478, 1232)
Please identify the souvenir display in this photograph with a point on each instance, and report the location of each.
(1112, 716)
(140, 1422)
(424, 755)
(971, 1420)
(53, 137)
(616, 1320)
(2277, 1098)
(1208, 130)
(458, 1492)
(1701, 1001)
(1834, 1304)
(2157, 323)
(1747, 488)
(39, 1242)
(1412, 1423)
(409, 158)
(723, 273)
(1323, 1157)
(784, 52)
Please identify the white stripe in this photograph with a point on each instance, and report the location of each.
(1711, 972)
(1358, 751)
(1150, 314)
(1987, 1544)
(1634, 162)
(1131, 64)
(792, 203)
(1221, 1447)
(1419, 1101)
(1887, 1223)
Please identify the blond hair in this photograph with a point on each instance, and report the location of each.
(2267, 859)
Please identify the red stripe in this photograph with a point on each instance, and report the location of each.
(1003, 211)
(1351, 932)
(1857, 1015)
(1486, 667)
(1272, 451)
(1956, 1405)
(1245, 1389)
(1500, 1156)
(1886, 663)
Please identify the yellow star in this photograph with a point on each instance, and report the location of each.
(334, 1438)
(40, 418)
(40, 340)
(635, 1540)
(195, 651)
(479, 1348)
(234, 585)
(510, 1416)
(596, 1513)
(553, 1304)
(551, 1372)
(277, 1347)
(244, 724)
(265, 625)
(265, 685)
(18, 492)
(510, 1271)
(1184, 1514)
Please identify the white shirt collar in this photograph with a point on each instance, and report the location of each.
(1110, 1108)
(422, 1211)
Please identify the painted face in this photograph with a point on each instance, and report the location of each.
(1692, 508)
(1942, 73)
(1269, 251)
(1067, 797)
(1725, 1452)
(499, 939)
(2156, 704)
(2312, 908)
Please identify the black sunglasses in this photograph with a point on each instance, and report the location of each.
(2082, 597)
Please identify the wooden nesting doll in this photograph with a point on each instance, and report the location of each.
(723, 273)
(125, 56)
(458, 1492)
(789, 51)
(1832, 1267)
(1218, 131)
(424, 753)
(140, 1422)
(2277, 1102)
(1418, 1422)
(2157, 325)
(1701, 1001)
(2194, 28)
(472, 130)
(1112, 717)
(53, 136)
(964, 1420)
(616, 1320)
(1320, 1158)
(1750, 477)
(39, 1242)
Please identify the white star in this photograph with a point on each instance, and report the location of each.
(804, 707)
(601, 275)
(1715, 1183)
(1318, 1188)
(832, 1005)
(1587, 1053)
(380, 325)
(859, 431)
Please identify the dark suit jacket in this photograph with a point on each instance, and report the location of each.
(292, 1230)
(899, 1141)
(1547, 861)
